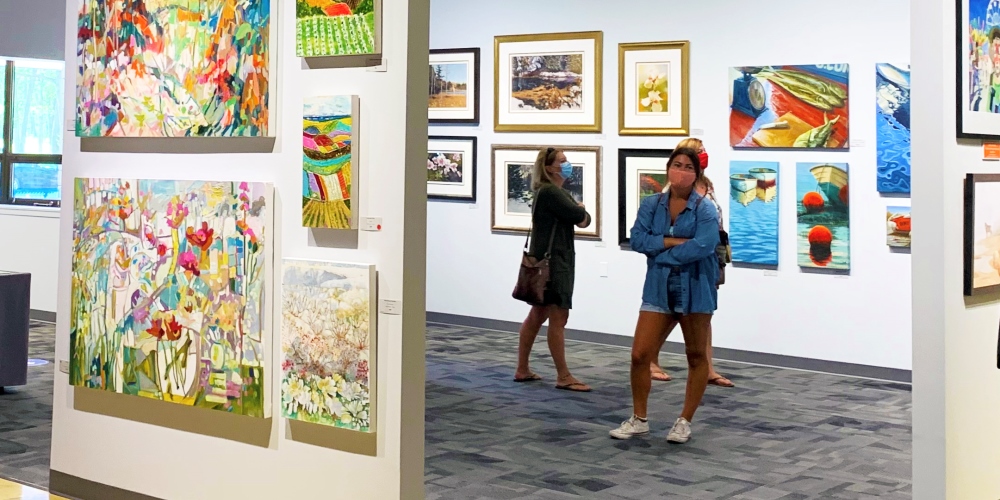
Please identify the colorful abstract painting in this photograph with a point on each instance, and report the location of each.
(173, 68)
(335, 27)
(789, 107)
(168, 289)
(328, 163)
(897, 227)
(824, 217)
(328, 343)
(753, 214)
(892, 96)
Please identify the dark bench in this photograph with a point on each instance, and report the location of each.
(15, 291)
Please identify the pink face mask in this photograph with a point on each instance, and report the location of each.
(681, 178)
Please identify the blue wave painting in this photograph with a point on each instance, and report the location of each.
(753, 212)
(893, 128)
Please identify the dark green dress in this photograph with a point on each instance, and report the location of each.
(555, 208)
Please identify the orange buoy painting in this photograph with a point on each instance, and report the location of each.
(897, 227)
(824, 222)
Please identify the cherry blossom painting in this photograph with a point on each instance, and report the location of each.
(328, 343)
(168, 291)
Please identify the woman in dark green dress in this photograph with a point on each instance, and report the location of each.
(555, 215)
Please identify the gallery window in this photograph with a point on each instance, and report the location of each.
(31, 117)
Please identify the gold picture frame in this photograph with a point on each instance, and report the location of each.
(513, 215)
(540, 116)
(673, 58)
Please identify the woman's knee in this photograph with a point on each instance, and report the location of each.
(696, 356)
(558, 317)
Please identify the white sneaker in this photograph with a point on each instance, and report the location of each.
(631, 427)
(681, 432)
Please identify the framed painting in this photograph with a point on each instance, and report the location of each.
(897, 227)
(786, 107)
(512, 195)
(977, 44)
(329, 162)
(328, 344)
(548, 83)
(753, 212)
(179, 69)
(653, 92)
(982, 234)
(454, 86)
(824, 216)
(451, 168)
(892, 126)
(641, 173)
(338, 27)
(168, 294)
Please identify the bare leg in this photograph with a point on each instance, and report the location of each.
(657, 371)
(695, 329)
(529, 330)
(556, 337)
(713, 376)
(650, 331)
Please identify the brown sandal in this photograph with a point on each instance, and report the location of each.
(721, 382)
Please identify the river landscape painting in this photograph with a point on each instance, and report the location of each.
(824, 217)
(753, 212)
(552, 82)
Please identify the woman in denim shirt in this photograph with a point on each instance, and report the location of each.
(678, 233)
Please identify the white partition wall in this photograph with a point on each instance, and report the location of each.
(955, 402)
(862, 318)
(205, 455)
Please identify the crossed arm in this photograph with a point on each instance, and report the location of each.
(674, 251)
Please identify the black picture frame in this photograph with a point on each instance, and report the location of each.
(623, 156)
(971, 180)
(475, 167)
(475, 52)
(964, 130)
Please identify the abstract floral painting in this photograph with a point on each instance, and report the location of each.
(335, 27)
(329, 165)
(753, 212)
(327, 343)
(892, 97)
(173, 68)
(785, 107)
(168, 290)
(824, 216)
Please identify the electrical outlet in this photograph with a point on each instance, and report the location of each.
(603, 269)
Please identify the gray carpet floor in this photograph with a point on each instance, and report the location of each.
(781, 434)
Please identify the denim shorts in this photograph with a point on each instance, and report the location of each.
(647, 307)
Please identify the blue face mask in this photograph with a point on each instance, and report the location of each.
(567, 170)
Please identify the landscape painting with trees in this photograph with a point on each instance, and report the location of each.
(546, 82)
(449, 85)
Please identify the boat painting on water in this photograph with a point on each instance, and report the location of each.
(897, 227)
(892, 97)
(753, 218)
(785, 107)
(329, 162)
(824, 234)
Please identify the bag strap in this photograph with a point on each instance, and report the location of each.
(552, 237)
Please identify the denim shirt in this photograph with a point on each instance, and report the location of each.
(695, 260)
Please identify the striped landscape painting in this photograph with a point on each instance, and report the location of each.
(328, 163)
(335, 27)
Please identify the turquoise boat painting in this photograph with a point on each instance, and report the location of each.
(753, 219)
(824, 218)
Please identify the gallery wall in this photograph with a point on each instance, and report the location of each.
(205, 454)
(863, 317)
(32, 29)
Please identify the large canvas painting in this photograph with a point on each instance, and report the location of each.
(753, 213)
(653, 90)
(328, 344)
(892, 96)
(512, 195)
(824, 217)
(641, 173)
(982, 234)
(978, 60)
(336, 27)
(453, 86)
(168, 291)
(173, 68)
(548, 83)
(329, 162)
(897, 227)
(788, 107)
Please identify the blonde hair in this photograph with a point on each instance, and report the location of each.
(540, 176)
(691, 142)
